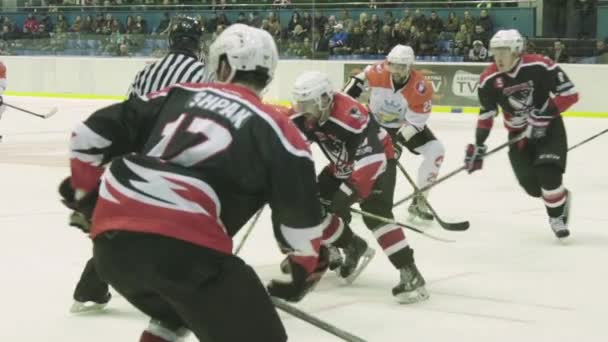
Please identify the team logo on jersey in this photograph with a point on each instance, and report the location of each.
(521, 97)
(499, 83)
(421, 87)
(356, 113)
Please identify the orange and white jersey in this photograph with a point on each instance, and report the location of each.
(2, 78)
(394, 108)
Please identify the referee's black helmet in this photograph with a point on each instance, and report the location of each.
(185, 36)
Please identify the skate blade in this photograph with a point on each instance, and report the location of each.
(366, 258)
(80, 307)
(418, 295)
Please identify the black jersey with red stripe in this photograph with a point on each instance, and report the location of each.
(535, 83)
(356, 146)
(195, 162)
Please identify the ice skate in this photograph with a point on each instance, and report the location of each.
(559, 224)
(82, 304)
(357, 255)
(411, 286)
(418, 209)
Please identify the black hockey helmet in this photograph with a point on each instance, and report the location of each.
(185, 36)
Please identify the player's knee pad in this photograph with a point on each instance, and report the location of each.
(549, 176)
(433, 151)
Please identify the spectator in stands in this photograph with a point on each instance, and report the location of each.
(141, 25)
(281, 3)
(469, 21)
(559, 53)
(415, 38)
(163, 25)
(485, 21)
(62, 24)
(130, 26)
(435, 23)
(306, 22)
(370, 42)
(463, 36)
(376, 23)
(338, 44)
(600, 48)
(385, 40)
(222, 19)
(480, 34)
(88, 25)
(356, 40)
(77, 25)
(322, 42)
(400, 35)
(30, 24)
(419, 20)
(298, 34)
(48, 23)
(58, 40)
(428, 38)
(406, 21)
(41, 33)
(344, 17)
(6, 33)
(274, 26)
(294, 21)
(389, 19)
(5, 49)
(254, 20)
(123, 50)
(453, 23)
(320, 21)
(478, 53)
(364, 22)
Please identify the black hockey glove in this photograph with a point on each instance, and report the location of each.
(473, 159)
(302, 281)
(343, 199)
(82, 208)
(537, 124)
(354, 87)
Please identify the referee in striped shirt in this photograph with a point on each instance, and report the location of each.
(182, 64)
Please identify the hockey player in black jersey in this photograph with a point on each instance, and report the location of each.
(359, 151)
(189, 166)
(183, 64)
(532, 92)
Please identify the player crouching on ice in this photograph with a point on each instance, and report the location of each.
(532, 91)
(358, 150)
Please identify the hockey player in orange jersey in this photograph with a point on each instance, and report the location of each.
(401, 102)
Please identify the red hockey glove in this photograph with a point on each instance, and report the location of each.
(302, 281)
(473, 159)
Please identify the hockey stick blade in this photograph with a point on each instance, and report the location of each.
(51, 113)
(292, 310)
(452, 226)
(42, 116)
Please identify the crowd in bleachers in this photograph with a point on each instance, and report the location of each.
(305, 35)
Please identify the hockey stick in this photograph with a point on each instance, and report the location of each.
(454, 226)
(587, 140)
(43, 116)
(390, 221)
(249, 229)
(292, 310)
(460, 169)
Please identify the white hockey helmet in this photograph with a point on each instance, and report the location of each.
(510, 39)
(313, 94)
(401, 54)
(246, 48)
(400, 60)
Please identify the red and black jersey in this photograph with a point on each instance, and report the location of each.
(356, 146)
(535, 83)
(195, 162)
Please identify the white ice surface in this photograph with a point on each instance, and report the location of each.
(506, 279)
